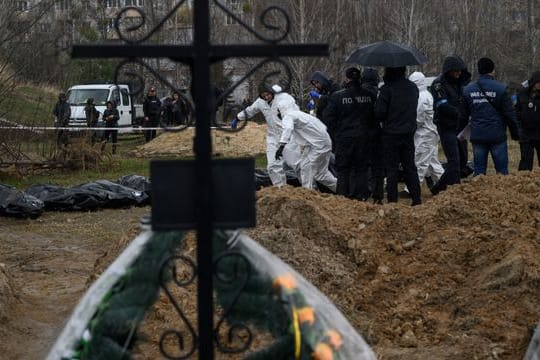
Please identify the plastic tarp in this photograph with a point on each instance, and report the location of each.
(136, 182)
(316, 330)
(16, 203)
(88, 196)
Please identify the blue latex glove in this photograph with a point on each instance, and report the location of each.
(234, 123)
(314, 94)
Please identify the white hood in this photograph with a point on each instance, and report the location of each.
(284, 103)
(419, 79)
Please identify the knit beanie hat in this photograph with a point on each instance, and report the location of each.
(485, 66)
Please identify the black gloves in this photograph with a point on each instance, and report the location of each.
(279, 152)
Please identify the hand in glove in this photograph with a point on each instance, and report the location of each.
(279, 152)
(234, 123)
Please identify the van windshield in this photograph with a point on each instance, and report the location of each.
(79, 96)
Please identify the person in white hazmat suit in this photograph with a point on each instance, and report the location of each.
(291, 152)
(311, 134)
(426, 137)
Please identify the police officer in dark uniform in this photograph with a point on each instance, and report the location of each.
(448, 104)
(350, 113)
(152, 112)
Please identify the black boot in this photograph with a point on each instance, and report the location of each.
(429, 182)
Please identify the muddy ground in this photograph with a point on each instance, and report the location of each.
(455, 278)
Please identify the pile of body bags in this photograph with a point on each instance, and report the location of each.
(131, 190)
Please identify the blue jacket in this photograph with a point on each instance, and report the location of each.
(489, 120)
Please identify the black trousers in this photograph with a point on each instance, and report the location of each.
(527, 149)
(351, 164)
(451, 147)
(152, 122)
(399, 148)
(113, 134)
(463, 149)
(376, 166)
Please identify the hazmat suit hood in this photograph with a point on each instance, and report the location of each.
(419, 79)
(454, 62)
(285, 104)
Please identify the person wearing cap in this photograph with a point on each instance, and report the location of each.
(291, 152)
(152, 112)
(395, 110)
(528, 116)
(489, 106)
(62, 113)
(350, 113)
(447, 92)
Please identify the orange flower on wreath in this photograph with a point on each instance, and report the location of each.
(334, 338)
(322, 352)
(285, 281)
(306, 315)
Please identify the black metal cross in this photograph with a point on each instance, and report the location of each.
(199, 56)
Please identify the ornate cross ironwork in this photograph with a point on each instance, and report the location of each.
(199, 56)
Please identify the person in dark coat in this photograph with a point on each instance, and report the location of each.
(490, 108)
(396, 111)
(111, 117)
(528, 116)
(325, 87)
(92, 116)
(175, 110)
(447, 91)
(351, 113)
(370, 82)
(152, 112)
(62, 113)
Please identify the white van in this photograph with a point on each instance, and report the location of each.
(77, 95)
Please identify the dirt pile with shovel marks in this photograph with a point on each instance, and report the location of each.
(458, 277)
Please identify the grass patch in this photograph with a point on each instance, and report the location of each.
(28, 105)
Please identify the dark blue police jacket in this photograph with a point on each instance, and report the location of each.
(488, 120)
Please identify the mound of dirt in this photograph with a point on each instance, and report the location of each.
(458, 277)
(246, 142)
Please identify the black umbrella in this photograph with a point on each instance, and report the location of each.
(387, 54)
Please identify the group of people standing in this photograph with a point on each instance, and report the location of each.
(375, 131)
(173, 111)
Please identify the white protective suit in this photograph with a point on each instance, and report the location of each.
(310, 133)
(426, 137)
(291, 153)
